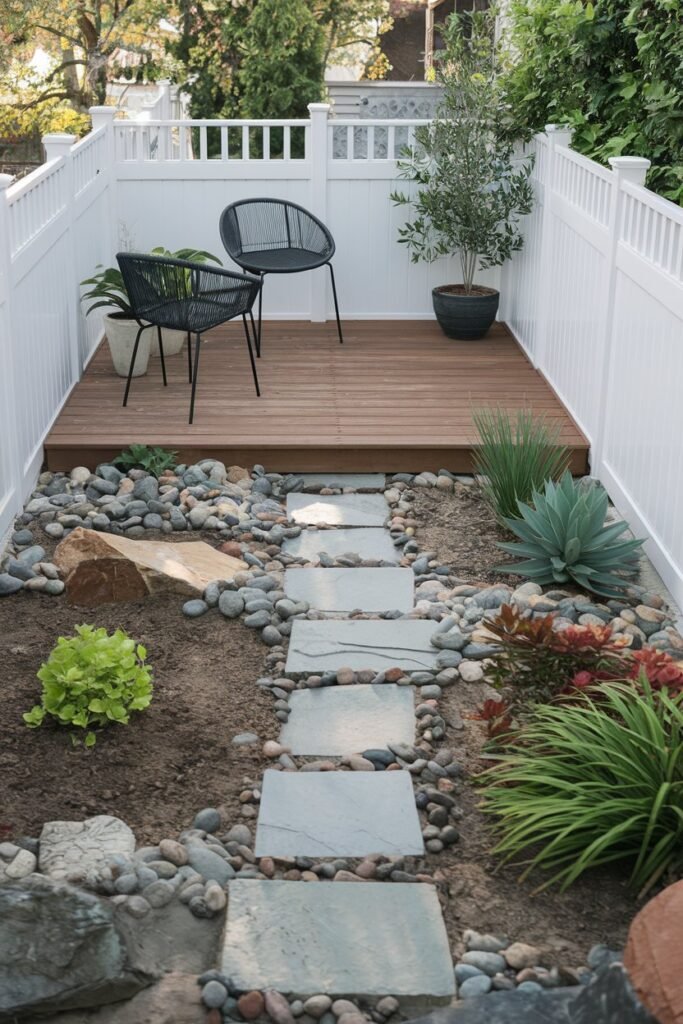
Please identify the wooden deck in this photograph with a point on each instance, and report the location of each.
(397, 396)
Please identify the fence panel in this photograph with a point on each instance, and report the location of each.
(598, 303)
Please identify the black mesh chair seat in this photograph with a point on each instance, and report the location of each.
(274, 236)
(188, 297)
(281, 261)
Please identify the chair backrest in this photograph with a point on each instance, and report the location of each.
(154, 280)
(252, 225)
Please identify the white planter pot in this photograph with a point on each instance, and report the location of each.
(173, 342)
(121, 335)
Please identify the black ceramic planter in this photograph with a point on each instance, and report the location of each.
(465, 316)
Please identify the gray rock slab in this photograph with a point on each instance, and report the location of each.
(338, 509)
(364, 643)
(338, 814)
(344, 590)
(366, 542)
(343, 939)
(359, 481)
(336, 720)
(83, 845)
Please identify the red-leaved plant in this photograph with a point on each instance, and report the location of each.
(497, 715)
(661, 670)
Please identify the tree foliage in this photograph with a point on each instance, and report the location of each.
(282, 64)
(228, 48)
(84, 42)
(613, 69)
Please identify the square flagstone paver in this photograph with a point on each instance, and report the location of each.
(338, 720)
(344, 590)
(366, 542)
(338, 509)
(359, 481)
(361, 643)
(340, 938)
(338, 814)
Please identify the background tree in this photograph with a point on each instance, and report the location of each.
(282, 67)
(84, 40)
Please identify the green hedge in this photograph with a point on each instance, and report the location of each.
(613, 69)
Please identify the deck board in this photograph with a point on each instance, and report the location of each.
(398, 395)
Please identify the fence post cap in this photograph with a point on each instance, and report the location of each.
(58, 139)
(102, 111)
(629, 163)
(318, 108)
(5, 181)
(552, 129)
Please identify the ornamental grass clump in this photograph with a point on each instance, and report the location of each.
(515, 456)
(596, 781)
(565, 540)
(92, 679)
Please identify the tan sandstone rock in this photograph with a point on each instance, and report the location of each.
(653, 955)
(102, 568)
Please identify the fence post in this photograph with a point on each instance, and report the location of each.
(634, 170)
(103, 117)
(558, 135)
(58, 146)
(11, 488)
(318, 161)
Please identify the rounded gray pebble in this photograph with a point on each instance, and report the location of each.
(476, 986)
(214, 994)
(193, 609)
(208, 819)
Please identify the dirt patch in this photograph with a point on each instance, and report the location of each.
(483, 895)
(463, 532)
(172, 759)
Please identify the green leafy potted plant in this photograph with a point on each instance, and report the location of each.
(108, 290)
(469, 192)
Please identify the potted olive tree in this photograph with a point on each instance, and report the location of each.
(108, 290)
(468, 192)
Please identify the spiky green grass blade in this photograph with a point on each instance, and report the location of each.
(515, 455)
(594, 782)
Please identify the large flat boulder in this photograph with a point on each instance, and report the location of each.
(67, 846)
(103, 568)
(62, 948)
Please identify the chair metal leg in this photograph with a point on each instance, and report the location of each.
(132, 363)
(161, 355)
(260, 316)
(194, 375)
(336, 304)
(255, 335)
(251, 354)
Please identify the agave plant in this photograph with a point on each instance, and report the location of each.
(564, 538)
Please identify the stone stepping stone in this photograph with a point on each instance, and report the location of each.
(337, 720)
(337, 509)
(365, 542)
(359, 939)
(359, 481)
(344, 590)
(361, 644)
(338, 814)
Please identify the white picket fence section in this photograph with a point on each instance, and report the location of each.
(596, 300)
(595, 297)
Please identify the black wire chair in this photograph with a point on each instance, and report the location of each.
(189, 297)
(273, 236)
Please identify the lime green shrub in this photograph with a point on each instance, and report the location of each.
(593, 782)
(515, 455)
(91, 679)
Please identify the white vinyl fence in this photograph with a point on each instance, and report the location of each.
(595, 297)
(596, 300)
